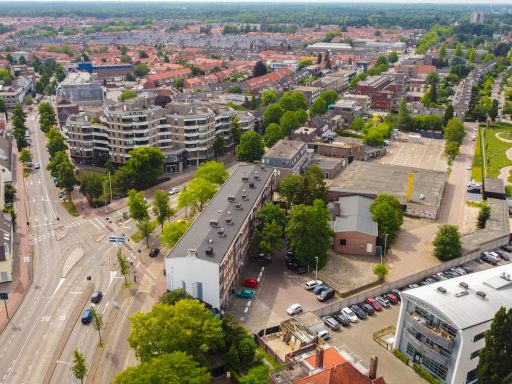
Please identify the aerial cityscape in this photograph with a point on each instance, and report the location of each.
(255, 192)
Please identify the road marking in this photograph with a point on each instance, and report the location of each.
(45, 318)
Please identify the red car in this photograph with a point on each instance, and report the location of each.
(374, 303)
(251, 283)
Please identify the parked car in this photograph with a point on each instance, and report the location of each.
(350, 314)
(324, 335)
(317, 289)
(326, 294)
(294, 309)
(467, 269)
(245, 293)
(154, 252)
(359, 311)
(374, 303)
(502, 255)
(368, 309)
(508, 248)
(87, 316)
(250, 283)
(411, 286)
(331, 323)
(263, 258)
(442, 276)
(391, 297)
(61, 194)
(341, 318)
(173, 191)
(311, 284)
(37, 166)
(383, 301)
(397, 293)
(96, 297)
(297, 268)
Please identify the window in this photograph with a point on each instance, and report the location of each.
(474, 354)
(3, 277)
(343, 241)
(410, 349)
(480, 336)
(472, 376)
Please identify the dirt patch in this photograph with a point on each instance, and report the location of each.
(469, 223)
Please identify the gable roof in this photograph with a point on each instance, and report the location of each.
(355, 216)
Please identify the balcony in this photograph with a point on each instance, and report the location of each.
(436, 335)
(425, 350)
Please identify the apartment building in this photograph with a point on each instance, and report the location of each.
(79, 88)
(287, 157)
(310, 93)
(208, 259)
(16, 92)
(385, 90)
(87, 138)
(442, 326)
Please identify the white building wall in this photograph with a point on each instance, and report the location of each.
(186, 272)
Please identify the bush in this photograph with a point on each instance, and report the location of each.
(508, 190)
(424, 374)
(483, 215)
(401, 356)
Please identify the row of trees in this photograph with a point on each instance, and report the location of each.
(18, 122)
(453, 134)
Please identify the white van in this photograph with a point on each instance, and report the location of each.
(310, 284)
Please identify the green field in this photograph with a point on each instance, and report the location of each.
(494, 151)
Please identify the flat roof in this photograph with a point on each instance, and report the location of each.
(464, 307)
(372, 178)
(285, 149)
(200, 233)
(494, 185)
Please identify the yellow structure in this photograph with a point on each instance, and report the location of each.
(375, 118)
(409, 186)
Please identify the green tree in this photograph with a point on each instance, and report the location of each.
(471, 55)
(140, 70)
(272, 114)
(91, 185)
(458, 50)
(56, 142)
(272, 212)
(146, 164)
(137, 205)
(292, 101)
(380, 270)
(302, 116)
(143, 54)
(269, 96)
(173, 296)
(447, 243)
(357, 124)
(273, 133)
(218, 146)
(381, 60)
(161, 207)
(259, 69)
(251, 147)
(145, 228)
(493, 112)
(483, 215)
(2, 106)
(393, 57)
(319, 58)
(197, 194)
(29, 101)
(55, 162)
(451, 149)
(270, 236)
(170, 368)
(309, 233)
(79, 367)
(290, 188)
(448, 114)
(97, 322)
(289, 123)
(172, 232)
(327, 60)
(454, 130)
(186, 326)
(404, 120)
(25, 156)
(494, 364)
(318, 107)
(441, 55)
(313, 186)
(127, 94)
(66, 176)
(385, 210)
(124, 265)
(329, 97)
(213, 171)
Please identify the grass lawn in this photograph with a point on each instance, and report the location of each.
(138, 236)
(258, 371)
(70, 207)
(494, 153)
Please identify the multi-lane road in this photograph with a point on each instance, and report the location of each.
(29, 342)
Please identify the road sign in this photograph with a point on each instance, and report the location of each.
(116, 239)
(4, 296)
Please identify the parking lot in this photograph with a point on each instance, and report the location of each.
(426, 153)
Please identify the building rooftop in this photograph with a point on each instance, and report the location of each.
(372, 178)
(285, 149)
(76, 78)
(492, 185)
(355, 216)
(487, 291)
(202, 234)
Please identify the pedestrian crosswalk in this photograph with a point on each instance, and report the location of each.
(96, 222)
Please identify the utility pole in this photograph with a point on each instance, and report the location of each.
(316, 268)
(385, 246)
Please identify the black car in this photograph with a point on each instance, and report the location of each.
(263, 258)
(508, 248)
(154, 252)
(359, 311)
(367, 308)
(96, 297)
(296, 267)
(341, 318)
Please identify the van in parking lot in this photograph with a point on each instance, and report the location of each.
(331, 323)
(326, 294)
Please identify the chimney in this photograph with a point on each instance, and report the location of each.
(372, 375)
(319, 357)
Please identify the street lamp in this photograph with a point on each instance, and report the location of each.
(316, 267)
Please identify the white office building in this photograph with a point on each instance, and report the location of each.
(442, 326)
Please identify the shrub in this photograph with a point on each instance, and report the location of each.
(424, 374)
(401, 356)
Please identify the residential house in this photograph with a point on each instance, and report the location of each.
(287, 157)
(16, 92)
(6, 160)
(6, 248)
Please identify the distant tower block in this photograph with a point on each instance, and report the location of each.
(264, 24)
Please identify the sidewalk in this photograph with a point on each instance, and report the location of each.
(19, 286)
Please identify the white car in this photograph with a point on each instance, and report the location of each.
(324, 335)
(294, 309)
(311, 284)
(350, 314)
(173, 191)
(468, 167)
(37, 166)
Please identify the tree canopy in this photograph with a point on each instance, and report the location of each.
(213, 171)
(251, 147)
(197, 194)
(386, 212)
(146, 165)
(273, 133)
(447, 243)
(173, 231)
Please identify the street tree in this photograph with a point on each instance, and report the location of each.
(393, 57)
(56, 142)
(289, 122)
(79, 367)
(292, 101)
(272, 212)
(170, 368)
(380, 270)
(173, 231)
(289, 188)
(66, 176)
(447, 243)
(218, 146)
(269, 96)
(147, 163)
(493, 111)
(97, 323)
(91, 186)
(55, 162)
(454, 130)
(385, 210)
(251, 147)
(137, 205)
(309, 233)
(213, 171)
(235, 131)
(145, 227)
(404, 119)
(161, 207)
(448, 114)
(273, 133)
(302, 116)
(124, 266)
(451, 149)
(25, 156)
(318, 107)
(186, 326)
(357, 124)
(270, 236)
(197, 194)
(259, 69)
(313, 186)
(173, 296)
(494, 365)
(272, 114)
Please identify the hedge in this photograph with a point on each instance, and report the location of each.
(401, 356)
(425, 375)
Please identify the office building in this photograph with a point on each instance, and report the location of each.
(208, 259)
(79, 88)
(442, 326)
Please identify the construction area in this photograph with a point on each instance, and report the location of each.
(420, 191)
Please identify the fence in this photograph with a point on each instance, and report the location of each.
(377, 336)
(384, 288)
